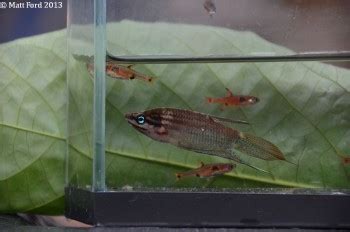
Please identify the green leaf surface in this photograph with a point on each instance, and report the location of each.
(303, 109)
(32, 121)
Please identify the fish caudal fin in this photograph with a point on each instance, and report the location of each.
(258, 147)
(178, 176)
(150, 80)
(144, 78)
(209, 99)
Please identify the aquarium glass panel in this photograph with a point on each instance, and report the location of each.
(297, 113)
(181, 126)
(298, 131)
(80, 93)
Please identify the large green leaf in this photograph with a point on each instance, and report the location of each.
(32, 122)
(304, 110)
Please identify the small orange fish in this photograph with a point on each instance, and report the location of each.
(234, 100)
(208, 170)
(121, 72)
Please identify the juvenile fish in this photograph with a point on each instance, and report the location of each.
(201, 133)
(208, 170)
(233, 100)
(118, 71)
(114, 70)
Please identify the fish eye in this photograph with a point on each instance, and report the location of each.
(140, 119)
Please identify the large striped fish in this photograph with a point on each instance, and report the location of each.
(202, 133)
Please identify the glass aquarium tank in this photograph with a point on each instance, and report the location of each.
(208, 113)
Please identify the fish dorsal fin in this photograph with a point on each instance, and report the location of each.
(221, 120)
(228, 93)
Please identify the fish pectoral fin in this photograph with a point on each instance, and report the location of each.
(202, 164)
(221, 120)
(161, 131)
(130, 66)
